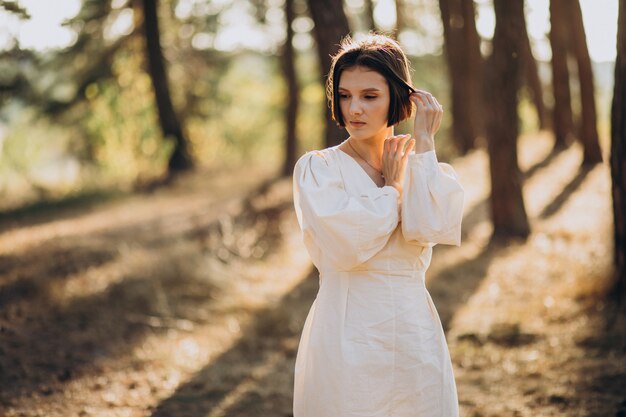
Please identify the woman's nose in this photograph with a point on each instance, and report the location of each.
(355, 107)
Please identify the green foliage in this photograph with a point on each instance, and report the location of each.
(244, 117)
(123, 134)
(14, 8)
(35, 161)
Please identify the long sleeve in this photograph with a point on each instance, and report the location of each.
(432, 201)
(338, 228)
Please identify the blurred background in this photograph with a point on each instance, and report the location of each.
(150, 260)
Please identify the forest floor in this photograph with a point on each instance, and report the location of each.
(189, 301)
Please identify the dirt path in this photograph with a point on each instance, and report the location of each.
(188, 302)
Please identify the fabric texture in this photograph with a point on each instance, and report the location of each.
(373, 344)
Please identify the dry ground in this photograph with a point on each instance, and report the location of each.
(189, 301)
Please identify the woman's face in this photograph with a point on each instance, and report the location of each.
(364, 99)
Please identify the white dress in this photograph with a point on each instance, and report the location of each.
(372, 344)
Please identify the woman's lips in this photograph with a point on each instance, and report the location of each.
(357, 124)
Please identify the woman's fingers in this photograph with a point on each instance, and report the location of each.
(395, 145)
(409, 147)
(429, 108)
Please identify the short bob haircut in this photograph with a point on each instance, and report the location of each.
(379, 53)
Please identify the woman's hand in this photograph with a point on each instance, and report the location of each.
(427, 120)
(395, 155)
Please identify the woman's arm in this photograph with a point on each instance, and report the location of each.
(337, 227)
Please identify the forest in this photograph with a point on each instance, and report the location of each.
(151, 262)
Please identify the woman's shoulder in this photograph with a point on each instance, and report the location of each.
(315, 157)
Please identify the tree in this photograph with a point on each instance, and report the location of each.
(533, 82)
(618, 154)
(368, 13)
(14, 8)
(400, 17)
(588, 131)
(331, 25)
(563, 121)
(507, 203)
(293, 90)
(465, 66)
(180, 159)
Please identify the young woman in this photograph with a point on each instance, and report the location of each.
(370, 210)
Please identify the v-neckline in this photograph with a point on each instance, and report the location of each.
(359, 165)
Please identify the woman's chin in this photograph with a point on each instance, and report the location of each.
(358, 134)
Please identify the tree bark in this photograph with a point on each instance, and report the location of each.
(533, 82)
(563, 121)
(293, 92)
(369, 15)
(180, 159)
(618, 155)
(465, 67)
(331, 25)
(592, 153)
(507, 203)
(400, 18)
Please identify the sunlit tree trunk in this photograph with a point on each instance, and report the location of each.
(170, 125)
(618, 154)
(400, 17)
(532, 81)
(331, 25)
(563, 122)
(293, 90)
(588, 130)
(465, 67)
(507, 203)
(368, 13)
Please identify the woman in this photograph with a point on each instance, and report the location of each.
(370, 210)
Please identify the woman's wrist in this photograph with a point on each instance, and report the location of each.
(424, 143)
(398, 188)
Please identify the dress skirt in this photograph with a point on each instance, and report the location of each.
(373, 346)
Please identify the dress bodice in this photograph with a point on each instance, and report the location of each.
(349, 223)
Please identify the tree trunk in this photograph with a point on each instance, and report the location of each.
(563, 121)
(588, 130)
(170, 125)
(370, 23)
(331, 25)
(293, 90)
(465, 67)
(507, 203)
(533, 81)
(476, 65)
(618, 155)
(400, 18)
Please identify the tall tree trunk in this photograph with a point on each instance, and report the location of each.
(589, 130)
(369, 15)
(293, 90)
(475, 69)
(507, 203)
(618, 154)
(533, 81)
(563, 121)
(465, 67)
(400, 17)
(170, 125)
(331, 24)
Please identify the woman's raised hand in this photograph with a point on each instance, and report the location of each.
(427, 120)
(395, 155)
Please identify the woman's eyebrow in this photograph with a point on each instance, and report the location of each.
(365, 89)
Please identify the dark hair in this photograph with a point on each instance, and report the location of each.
(379, 53)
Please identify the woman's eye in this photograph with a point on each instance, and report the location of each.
(343, 96)
(370, 97)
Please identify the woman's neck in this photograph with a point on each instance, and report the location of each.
(372, 148)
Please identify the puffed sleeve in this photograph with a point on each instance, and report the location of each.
(432, 201)
(339, 228)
